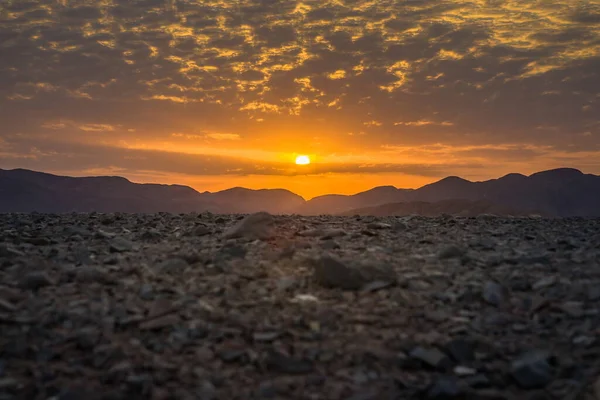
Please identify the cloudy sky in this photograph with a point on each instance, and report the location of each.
(221, 93)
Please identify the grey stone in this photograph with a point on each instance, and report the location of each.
(494, 293)
(120, 245)
(332, 272)
(35, 280)
(532, 370)
(255, 226)
(432, 357)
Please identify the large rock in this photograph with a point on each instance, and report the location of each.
(255, 226)
(330, 271)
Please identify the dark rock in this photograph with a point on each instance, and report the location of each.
(35, 280)
(120, 245)
(451, 252)
(444, 388)
(332, 272)
(90, 274)
(479, 381)
(432, 357)
(532, 370)
(279, 362)
(494, 293)
(172, 266)
(461, 350)
(200, 230)
(255, 226)
(9, 252)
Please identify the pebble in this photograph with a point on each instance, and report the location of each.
(494, 293)
(35, 280)
(120, 245)
(532, 370)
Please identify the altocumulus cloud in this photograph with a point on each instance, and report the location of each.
(404, 73)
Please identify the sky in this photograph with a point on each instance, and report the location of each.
(222, 93)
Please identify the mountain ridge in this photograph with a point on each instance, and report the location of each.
(558, 192)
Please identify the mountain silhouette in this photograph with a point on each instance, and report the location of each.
(560, 192)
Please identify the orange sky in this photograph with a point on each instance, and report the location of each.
(216, 94)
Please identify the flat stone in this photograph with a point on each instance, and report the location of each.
(461, 350)
(254, 226)
(451, 252)
(200, 230)
(332, 272)
(35, 280)
(460, 370)
(172, 266)
(494, 293)
(160, 322)
(444, 388)
(279, 362)
(9, 252)
(120, 245)
(532, 370)
(544, 282)
(431, 357)
(91, 274)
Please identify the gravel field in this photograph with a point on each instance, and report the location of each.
(202, 306)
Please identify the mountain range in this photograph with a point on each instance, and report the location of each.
(560, 192)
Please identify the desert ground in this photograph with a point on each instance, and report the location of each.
(203, 306)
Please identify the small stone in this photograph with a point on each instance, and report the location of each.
(377, 285)
(431, 357)
(6, 305)
(461, 350)
(279, 362)
(572, 309)
(231, 353)
(172, 266)
(92, 275)
(120, 245)
(494, 293)
(35, 280)
(332, 272)
(464, 371)
(254, 226)
(160, 322)
(597, 389)
(544, 283)
(266, 336)
(88, 337)
(8, 383)
(200, 230)
(478, 381)
(151, 234)
(286, 283)
(593, 292)
(323, 233)
(378, 225)
(532, 370)
(9, 252)
(451, 252)
(444, 388)
(146, 292)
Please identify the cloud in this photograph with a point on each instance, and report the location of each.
(304, 73)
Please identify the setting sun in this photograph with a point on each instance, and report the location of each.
(302, 160)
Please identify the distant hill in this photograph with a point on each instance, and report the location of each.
(459, 207)
(336, 203)
(561, 192)
(27, 191)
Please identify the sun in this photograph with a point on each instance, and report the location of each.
(302, 160)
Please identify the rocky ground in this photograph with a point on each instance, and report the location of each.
(163, 306)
